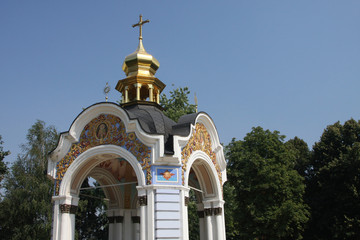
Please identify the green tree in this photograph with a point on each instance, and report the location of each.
(178, 103)
(333, 186)
(302, 155)
(193, 217)
(3, 167)
(26, 210)
(268, 191)
(232, 231)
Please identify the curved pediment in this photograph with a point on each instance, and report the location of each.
(203, 137)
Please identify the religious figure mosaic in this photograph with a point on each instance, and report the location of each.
(105, 129)
(200, 140)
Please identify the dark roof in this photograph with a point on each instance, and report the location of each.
(153, 121)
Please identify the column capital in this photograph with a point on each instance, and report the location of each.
(111, 219)
(208, 211)
(186, 200)
(135, 219)
(217, 211)
(201, 214)
(143, 200)
(68, 208)
(119, 219)
(116, 219)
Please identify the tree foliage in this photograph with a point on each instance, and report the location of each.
(334, 183)
(3, 167)
(268, 191)
(302, 155)
(26, 210)
(193, 218)
(178, 103)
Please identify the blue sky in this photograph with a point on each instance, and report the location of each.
(291, 66)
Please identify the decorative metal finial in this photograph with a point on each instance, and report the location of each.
(106, 91)
(139, 24)
(196, 103)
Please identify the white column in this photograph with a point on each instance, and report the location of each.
(184, 196)
(56, 219)
(136, 227)
(218, 218)
(209, 227)
(128, 226)
(223, 225)
(111, 228)
(118, 227)
(143, 203)
(150, 211)
(68, 207)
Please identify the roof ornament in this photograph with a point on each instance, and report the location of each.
(196, 103)
(140, 85)
(139, 24)
(106, 91)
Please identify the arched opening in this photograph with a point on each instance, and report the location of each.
(117, 174)
(113, 198)
(91, 220)
(195, 198)
(144, 92)
(205, 217)
(132, 93)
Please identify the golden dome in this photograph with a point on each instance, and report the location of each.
(140, 63)
(140, 85)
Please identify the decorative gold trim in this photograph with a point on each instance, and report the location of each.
(200, 140)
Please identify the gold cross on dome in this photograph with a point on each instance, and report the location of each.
(139, 24)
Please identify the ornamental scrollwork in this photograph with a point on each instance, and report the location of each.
(200, 140)
(102, 130)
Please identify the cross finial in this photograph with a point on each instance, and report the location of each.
(139, 24)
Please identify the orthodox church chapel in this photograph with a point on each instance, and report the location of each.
(145, 162)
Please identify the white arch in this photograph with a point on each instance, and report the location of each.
(156, 142)
(90, 154)
(200, 155)
(216, 147)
